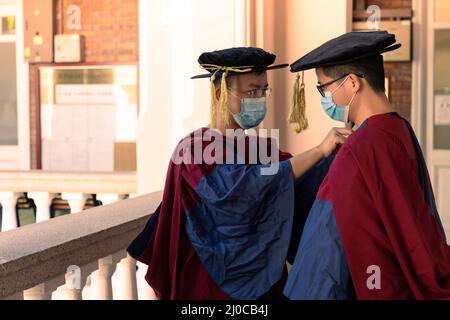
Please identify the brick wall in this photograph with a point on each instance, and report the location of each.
(111, 31)
(110, 28)
(399, 73)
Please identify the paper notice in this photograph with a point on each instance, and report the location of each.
(442, 110)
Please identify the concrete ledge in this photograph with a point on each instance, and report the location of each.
(56, 182)
(41, 252)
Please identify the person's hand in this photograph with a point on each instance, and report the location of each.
(335, 138)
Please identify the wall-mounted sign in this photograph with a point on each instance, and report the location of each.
(91, 94)
(403, 33)
(69, 48)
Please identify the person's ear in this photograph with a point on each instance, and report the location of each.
(355, 82)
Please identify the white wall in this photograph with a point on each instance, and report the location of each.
(293, 28)
(173, 33)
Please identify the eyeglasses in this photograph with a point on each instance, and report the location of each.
(321, 87)
(258, 93)
(255, 93)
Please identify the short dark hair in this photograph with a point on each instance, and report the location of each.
(371, 68)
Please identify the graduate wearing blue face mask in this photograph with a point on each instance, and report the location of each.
(223, 230)
(253, 108)
(376, 207)
(334, 111)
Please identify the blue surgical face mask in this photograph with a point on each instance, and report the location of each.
(253, 112)
(334, 111)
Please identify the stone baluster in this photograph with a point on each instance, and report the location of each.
(76, 201)
(101, 283)
(145, 292)
(43, 202)
(101, 279)
(9, 215)
(71, 290)
(125, 286)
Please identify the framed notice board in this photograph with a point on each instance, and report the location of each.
(88, 118)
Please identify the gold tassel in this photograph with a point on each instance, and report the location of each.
(213, 103)
(298, 113)
(224, 99)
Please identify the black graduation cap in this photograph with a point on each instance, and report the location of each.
(346, 49)
(233, 61)
(236, 61)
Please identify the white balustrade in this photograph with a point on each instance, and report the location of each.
(114, 276)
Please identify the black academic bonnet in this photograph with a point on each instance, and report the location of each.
(236, 61)
(348, 48)
(222, 64)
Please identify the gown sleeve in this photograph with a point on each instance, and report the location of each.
(240, 227)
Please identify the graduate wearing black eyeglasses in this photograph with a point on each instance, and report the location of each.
(374, 231)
